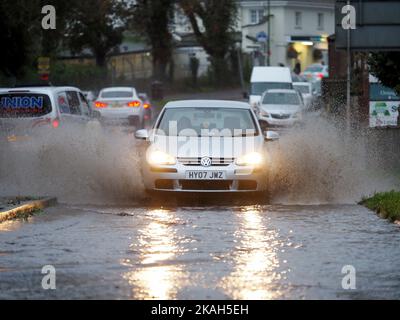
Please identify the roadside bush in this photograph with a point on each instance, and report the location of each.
(387, 205)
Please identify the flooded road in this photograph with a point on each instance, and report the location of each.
(201, 252)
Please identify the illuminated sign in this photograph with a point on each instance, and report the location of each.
(21, 103)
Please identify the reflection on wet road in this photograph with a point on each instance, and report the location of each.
(255, 259)
(157, 245)
(201, 252)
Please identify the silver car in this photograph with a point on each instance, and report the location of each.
(206, 146)
(281, 108)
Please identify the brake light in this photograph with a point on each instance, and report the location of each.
(147, 106)
(55, 123)
(99, 104)
(134, 104)
(320, 75)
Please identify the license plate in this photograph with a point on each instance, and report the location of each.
(116, 105)
(205, 175)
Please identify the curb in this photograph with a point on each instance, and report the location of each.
(27, 208)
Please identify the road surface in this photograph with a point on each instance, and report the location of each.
(207, 251)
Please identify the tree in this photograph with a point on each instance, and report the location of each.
(386, 67)
(97, 25)
(22, 36)
(218, 18)
(152, 19)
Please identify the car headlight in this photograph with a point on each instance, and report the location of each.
(264, 114)
(157, 157)
(297, 115)
(251, 159)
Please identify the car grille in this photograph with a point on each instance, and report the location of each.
(206, 185)
(216, 162)
(281, 116)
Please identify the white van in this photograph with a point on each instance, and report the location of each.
(268, 78)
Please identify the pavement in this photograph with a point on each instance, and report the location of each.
(14, 207)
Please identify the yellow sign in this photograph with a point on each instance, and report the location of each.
(44, 65)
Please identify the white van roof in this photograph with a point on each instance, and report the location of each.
(271, 74)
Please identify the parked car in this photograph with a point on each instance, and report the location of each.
(316, 72)
(266, 78)
(281, 108)
(195, 163)
(306, 90)
(24, 109)
(120, 105)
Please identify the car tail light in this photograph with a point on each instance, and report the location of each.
(55, 123)
(134, 104)
(147, 106)
(99, 104)
(320, 75)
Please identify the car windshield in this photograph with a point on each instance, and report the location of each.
(303, 89)
(24, 105)
(313, 69)
(258, 88)
(224, 122)
(117, 94)
(281, 98)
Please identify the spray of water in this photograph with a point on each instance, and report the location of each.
(314, 163)
(321, 163)
(77, 164)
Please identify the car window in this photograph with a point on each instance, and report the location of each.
(303, 89)
(63, 104)
(200, 121)
(84, 105)
(74, 102)
(24, 105)
(117, 94)
(281, 98)
(258, 88)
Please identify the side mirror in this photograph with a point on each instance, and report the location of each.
(271, 136)
(245, 95)
(142, 134)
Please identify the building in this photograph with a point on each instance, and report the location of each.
(298, 34)
(298, 30)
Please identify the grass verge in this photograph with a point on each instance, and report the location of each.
(386, 204)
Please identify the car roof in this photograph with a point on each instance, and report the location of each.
(118, 89)
(281, 91)
(304, 84)
(43, 89)
(207, 104)
(271, 74)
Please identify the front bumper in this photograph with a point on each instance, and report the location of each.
(280, 122)
(173, 179)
